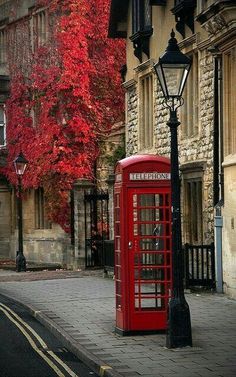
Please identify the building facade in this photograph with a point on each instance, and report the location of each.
(44, 242)
(206, 31)
(23, 28)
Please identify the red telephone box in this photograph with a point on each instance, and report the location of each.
(142, 214)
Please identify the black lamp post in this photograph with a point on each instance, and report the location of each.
(172, 71)
(20, 164)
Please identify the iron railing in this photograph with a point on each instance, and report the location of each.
(108, 255)
(199, 266)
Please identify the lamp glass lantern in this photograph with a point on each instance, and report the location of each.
(172, 70)
(20, 164)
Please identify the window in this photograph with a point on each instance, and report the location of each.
(189, 112)
(2, 126)
(41, 221)
(3, 44)
(141, 27)
(192, 208)
(146, 112)
(39, 29)
(141, 20)
(229, 72)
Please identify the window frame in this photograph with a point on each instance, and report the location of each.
(146, 112)
(3, 124)
(139, 21)
(3, 46)
(39, 28)
(193, 206)
(141, 30)
(189, 113)
(41, 221)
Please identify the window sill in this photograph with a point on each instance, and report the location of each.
(141, 34)
(140, 41)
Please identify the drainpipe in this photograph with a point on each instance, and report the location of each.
(218, 183)
(218, 248)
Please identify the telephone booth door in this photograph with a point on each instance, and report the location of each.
(149, 257)
(142, 256)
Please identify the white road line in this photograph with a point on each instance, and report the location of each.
(10, 314)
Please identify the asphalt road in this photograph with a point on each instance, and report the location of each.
(27, 349)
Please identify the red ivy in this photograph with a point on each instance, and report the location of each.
(64, 96)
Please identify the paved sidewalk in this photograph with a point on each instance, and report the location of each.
(80, 308)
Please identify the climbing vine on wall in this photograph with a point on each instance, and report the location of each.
(65, 95)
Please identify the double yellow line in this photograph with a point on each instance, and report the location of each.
(29, 333)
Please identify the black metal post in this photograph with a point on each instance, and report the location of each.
(20, 258)
(179, 332)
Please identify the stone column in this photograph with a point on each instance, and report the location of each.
(110, 182)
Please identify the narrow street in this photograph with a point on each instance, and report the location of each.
(27, 349)
(80, 308)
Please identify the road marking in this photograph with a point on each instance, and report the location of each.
(32, 343)
(40, 340)
(103, 368)
(10, 314)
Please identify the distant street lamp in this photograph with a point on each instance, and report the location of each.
(20, 164)
(172, 70)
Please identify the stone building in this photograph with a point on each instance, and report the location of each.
(206, 31)
(45, 242)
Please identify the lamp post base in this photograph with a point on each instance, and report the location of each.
(20, 262)
(179, 333)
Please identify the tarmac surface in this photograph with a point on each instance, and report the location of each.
(79, 308)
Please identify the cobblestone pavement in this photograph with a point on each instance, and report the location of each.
(80, 308)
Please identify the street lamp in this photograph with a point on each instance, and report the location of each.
(20, 164)
(172, 71)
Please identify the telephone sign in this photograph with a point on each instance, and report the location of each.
(152, 176)
(142, 205)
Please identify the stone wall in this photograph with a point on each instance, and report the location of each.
(14, 10)
(200, 147)
(5, 220)
(49, 246)
(229, 227)
(112, 147)
(131, 119)
(41, 246)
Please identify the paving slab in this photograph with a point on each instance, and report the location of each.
(79, 307)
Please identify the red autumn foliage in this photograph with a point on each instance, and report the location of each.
(64, 96)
